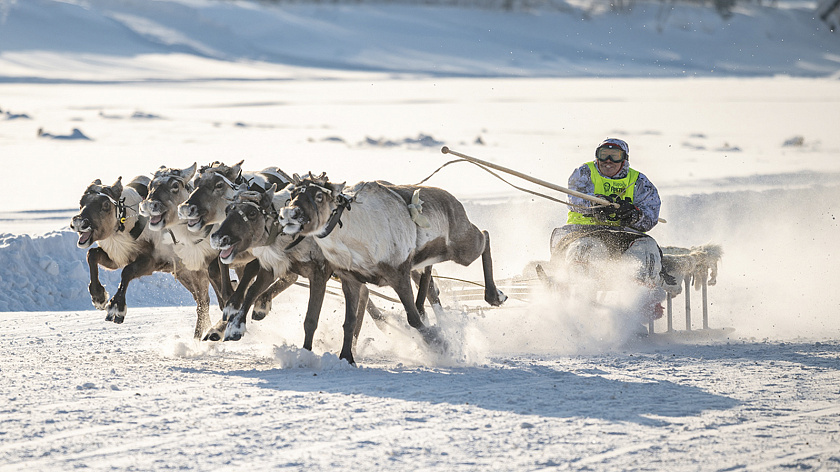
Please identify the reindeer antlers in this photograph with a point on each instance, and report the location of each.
(320, 180)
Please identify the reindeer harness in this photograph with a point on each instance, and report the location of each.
(342, 203)
(121, 210)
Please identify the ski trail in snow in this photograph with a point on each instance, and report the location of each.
(685, 437)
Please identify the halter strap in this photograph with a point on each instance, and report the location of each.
(120, 210)
(343, 203)
(295, 242)
(273, 228)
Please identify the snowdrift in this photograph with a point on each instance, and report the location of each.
(49, 272)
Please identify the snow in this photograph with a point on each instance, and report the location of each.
(735, 121)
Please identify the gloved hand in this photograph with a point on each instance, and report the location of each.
(627, 213)
(606, 213)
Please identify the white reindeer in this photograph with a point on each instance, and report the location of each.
(378, 233)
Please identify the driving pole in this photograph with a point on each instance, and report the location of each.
(527, 177)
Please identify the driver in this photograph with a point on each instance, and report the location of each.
(610, 177)
(600, 231)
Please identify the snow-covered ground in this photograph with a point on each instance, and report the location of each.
(734, 120)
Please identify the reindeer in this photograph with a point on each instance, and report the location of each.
(108, 216)
(216, 185)
(195, 262)
(384, 231)
(214, 188)
(252, 224)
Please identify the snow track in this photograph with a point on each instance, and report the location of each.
(80, 392)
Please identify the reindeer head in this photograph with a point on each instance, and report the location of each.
(215, 186)
(98, 216)
(169, 188)
(251, 221)
(313, 202)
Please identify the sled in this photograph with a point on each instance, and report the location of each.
(692, 267)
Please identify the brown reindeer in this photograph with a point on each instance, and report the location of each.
(214, 188)
(108, 216)
(378, 232)
(196, 263)
(251, 224)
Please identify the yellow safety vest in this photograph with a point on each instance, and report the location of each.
(605, 186)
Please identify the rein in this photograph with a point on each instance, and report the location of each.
(521, 189)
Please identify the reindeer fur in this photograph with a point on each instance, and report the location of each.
(196, 266)
(251, 224)
(695, 263)
(378, 242)
(214, 187)
(133, 248)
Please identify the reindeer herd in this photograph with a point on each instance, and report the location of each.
(270, 228)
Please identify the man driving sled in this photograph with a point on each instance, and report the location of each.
(599, 237)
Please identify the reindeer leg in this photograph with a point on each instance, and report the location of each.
(143, 265)
(196, 283)
(364, 302)
(236, 317)
(433, 296)
(262, 305)
(234, 301)
(422, 290)
(374, 313)
(406, 295)
(492, 295)
(352, 292)
(431, 292)
(98, 294)
(220, 280)
(317, 289)
(402, 285)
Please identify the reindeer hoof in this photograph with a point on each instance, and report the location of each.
(99, 298)
(234, 332)
(213, 336)
(216, 332)
(348, 358)
(261, 308)
(434, 338)
(115, 312)
(495, 298)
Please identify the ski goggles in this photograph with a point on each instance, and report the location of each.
(611, 154)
